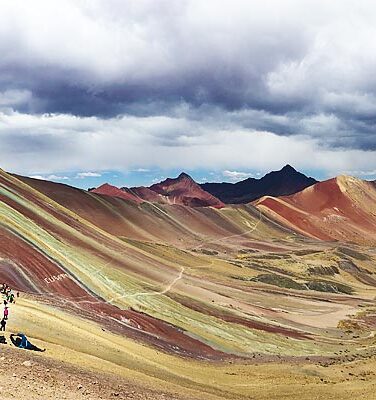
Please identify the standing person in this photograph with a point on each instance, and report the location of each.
(3, 324)
(6, 312)
(4, 288)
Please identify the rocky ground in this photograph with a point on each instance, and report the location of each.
(28, 376)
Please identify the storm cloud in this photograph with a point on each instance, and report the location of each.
(182, 74)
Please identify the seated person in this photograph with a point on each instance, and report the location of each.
(22, 342)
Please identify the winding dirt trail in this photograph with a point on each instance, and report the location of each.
(181, 273)
(169, 286)
(182, 270)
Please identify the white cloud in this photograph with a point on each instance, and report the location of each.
(82, 175)
(157, 180)
(112, 40)
(370, 173)
(126, 142)
(51, 177)
(236, 175)
(141, 170)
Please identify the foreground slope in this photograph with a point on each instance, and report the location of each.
(342, 208)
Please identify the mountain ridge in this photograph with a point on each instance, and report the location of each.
(341, 208)
(182, 190)
(110, 190)
(283, 182)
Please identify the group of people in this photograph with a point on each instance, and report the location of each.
(8, 298)
(19, 340)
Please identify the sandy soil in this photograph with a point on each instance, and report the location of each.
(26, 375)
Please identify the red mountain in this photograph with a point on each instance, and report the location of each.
(342, 208)
(184, 190)
(109, 190)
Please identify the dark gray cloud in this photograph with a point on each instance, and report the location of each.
(293, 68)
(21, 143)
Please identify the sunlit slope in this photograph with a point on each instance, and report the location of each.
(39, 242)
(235, 285)
(342, 208)
(118, 282)
(192, 379)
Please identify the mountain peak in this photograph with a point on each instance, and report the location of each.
(113, 191)
(184, 175)
(105, 186)
(284, 182)
(184, 190)
(288, 168)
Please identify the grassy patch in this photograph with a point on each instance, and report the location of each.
(353, 253)
(329, 287)
(280, 281)
(323, 270)
(306, 252)
(348, 325)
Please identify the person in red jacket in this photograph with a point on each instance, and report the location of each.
(6, 312)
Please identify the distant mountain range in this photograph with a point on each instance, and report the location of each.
(341, 208)
(277, 183)
(184, 190)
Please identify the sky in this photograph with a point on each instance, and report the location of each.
(132, 91)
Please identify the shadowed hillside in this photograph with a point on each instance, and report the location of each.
(276, 183)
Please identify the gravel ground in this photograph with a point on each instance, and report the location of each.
(26, 375)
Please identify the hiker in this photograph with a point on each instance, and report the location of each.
(21, 341)
(4, 288)
(6, 312)
(3, 324)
